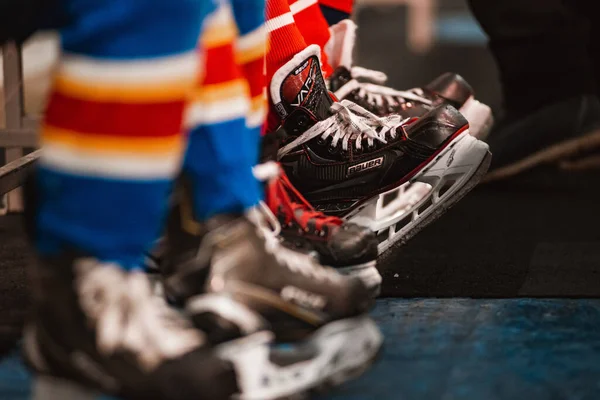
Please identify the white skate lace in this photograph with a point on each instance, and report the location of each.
(348, 123)
(374, 91)
(126, 316)
(269, 228)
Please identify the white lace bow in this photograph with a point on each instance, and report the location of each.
(350, 123)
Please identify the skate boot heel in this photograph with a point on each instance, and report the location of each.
(49, 388)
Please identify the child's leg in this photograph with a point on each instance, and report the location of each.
(112, 134)
(222, 150)
(312, 24)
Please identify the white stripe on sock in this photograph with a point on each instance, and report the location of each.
(279, 22)
(301, 5)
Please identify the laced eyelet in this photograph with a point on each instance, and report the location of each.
(332, 150)
(321, 141)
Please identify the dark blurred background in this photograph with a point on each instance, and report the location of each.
(390, 40)
(535, 235)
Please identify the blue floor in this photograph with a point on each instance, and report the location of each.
(462, 349)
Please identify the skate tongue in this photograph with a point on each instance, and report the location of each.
(340, 47)
(300, 83)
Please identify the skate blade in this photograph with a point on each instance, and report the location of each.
(342, 349)
(480, 118)
(49, 388)
(331, 355)
(397, 215)
(258, 377)
(388, 208)
(366, 272)
(348, 349)
(347, 375)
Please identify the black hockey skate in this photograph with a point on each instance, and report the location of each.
(97, 329)
(318, 313)
(349, 248)
(367, 87)
(390, 174)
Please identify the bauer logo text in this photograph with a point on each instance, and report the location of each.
(378, 162)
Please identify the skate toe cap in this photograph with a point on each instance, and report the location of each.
(353, 244)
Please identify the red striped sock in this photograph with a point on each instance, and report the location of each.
(285, 38)
(285, 41)
(313, 26)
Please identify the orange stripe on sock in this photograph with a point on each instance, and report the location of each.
(134, 93)
(258, 103)
(256, 52)
(209, 93)
(99, 143)
(220, 28)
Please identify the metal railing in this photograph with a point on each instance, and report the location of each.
(20, 131)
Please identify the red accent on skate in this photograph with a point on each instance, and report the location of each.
(410, 174)
(282, 196)
(438, 151)
(424, 163)
(297, 81)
